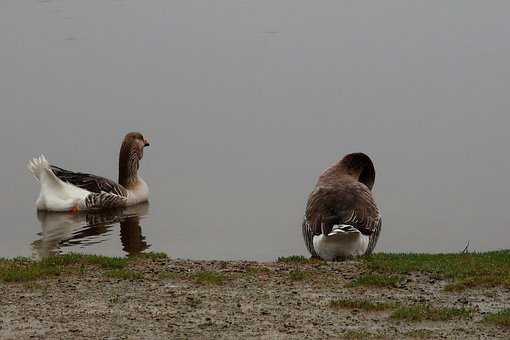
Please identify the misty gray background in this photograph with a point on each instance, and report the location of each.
(246, 102)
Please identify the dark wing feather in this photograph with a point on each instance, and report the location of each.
(308, 237)
(92, 183)
(104, 200)
(343, 203)
(373, 238)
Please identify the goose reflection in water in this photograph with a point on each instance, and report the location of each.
(62, 230)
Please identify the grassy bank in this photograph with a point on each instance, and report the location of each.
(488, 269)
(381, 296)
(24, 269)
(461, 271)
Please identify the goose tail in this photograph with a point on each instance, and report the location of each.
(54, 195)
(344, 229)
(37, 166)
(51, 185)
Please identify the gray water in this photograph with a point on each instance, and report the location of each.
(245, 103)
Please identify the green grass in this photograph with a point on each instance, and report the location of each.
(18, 271)
(470, 270)
(478, 281)
(420, 312)
(206, 277)
(257, 270)
(376, 280)
(24, 269)
(298, 275)
(124, 274)
(105, 262)
(361, 304)
(294, 259)
(152, 255)
(501, 318)
(75, 259)
(209, 278)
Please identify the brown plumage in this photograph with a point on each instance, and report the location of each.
(131, 152)
(343, 195)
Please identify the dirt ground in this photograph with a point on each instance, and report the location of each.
(170, 299)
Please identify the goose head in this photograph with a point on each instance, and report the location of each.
(357, 166)
(135, 142)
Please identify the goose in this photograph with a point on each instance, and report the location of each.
(341, 218)
(64, 190)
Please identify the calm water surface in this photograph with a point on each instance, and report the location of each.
(245, 103)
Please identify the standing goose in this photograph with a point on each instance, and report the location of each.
(64, 190)
(341, 218)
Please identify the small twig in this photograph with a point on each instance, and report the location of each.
(465, 251)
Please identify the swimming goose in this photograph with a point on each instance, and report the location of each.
(64, 190)
(342, 218)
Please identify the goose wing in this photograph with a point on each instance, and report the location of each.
(344, 203)
(92, 183)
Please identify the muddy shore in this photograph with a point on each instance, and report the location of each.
(161, 298)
